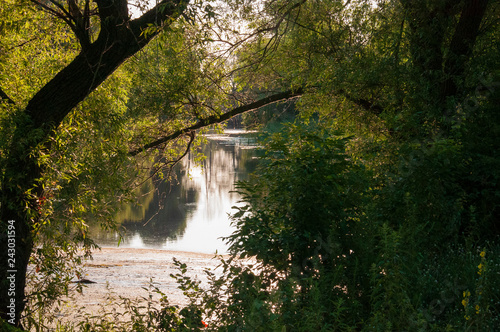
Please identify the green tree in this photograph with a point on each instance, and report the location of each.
(117, 39)
(413, 82)
(67, 133)
(304, 222)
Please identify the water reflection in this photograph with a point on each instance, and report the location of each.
(191, 212)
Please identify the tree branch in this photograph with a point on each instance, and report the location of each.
(117, 41)
(462, 44)
(81, 22)
(165, 11)
(5, 97)
(365, 104)
(76, 19)
(111, 11)
(224, 117)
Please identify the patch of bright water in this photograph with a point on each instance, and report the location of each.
(193, 213)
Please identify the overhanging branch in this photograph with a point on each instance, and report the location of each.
(224, 117)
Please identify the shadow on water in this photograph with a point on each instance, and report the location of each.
(189, 213)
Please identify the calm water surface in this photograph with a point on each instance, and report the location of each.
(191, 212)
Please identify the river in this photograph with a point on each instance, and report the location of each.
(190, 213)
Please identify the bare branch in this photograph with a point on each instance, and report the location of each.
(20, 45)
(224, 117)
(171, 163)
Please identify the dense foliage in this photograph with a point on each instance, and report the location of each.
(400, 230)
(375, 208)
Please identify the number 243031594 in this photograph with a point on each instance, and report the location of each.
(11, 242)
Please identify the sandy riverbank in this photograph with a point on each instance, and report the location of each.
(126, 271)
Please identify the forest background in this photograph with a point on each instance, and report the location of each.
(376, 208)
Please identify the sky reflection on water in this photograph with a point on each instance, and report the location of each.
(190, 214)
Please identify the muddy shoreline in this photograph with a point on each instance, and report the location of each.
(124, 272)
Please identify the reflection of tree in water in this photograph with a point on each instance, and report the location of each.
(137, 212)
(163, 217)
(154, 215)
(164, 208)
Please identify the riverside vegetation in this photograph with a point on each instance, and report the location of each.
(376, 203)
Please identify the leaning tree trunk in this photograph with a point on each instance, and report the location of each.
(119, 39)
(18, 215)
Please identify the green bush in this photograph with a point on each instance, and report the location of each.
(304, 222)
(321, 244)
